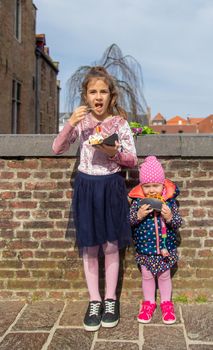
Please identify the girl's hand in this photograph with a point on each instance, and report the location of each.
(78, 115)
(166, 213)
(109, 150)
(143, 211)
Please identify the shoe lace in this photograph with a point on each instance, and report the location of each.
(109, 306)
(168, 308)
(146, 308)
(94, 309)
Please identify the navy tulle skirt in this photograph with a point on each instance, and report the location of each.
(101, 210)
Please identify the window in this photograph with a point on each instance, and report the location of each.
(17, 22)
(16, 104)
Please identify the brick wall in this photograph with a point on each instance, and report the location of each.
(35, 196)
(17, 61)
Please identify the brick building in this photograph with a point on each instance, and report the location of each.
(206, 125)
(159, 120)
(47, 89)
(29, 95)
(178, 124)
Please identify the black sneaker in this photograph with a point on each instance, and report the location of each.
(110, 317)
(92, 319)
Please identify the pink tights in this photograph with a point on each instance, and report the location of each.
(149, 286)
(91, 270)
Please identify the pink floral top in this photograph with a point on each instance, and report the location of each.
(93, 161)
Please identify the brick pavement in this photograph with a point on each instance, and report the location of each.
(57, 325)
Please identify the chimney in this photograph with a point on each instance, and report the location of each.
(40, 41)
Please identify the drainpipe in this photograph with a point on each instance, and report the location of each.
(58, 105)
(37, 89)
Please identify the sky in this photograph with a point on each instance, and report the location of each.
(171, 39)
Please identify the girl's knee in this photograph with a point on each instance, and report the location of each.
(90, 252)
(146, 274)
(164, 275)
(110, 248)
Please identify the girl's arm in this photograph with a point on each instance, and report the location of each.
(176, 220)
(67, 136)
(126, 154)
(70, 131)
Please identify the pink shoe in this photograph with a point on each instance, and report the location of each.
(146, 312)
(168, 312)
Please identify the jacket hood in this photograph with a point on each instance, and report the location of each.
(172, 191)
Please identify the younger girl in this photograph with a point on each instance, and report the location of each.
(154, 235)
(100, 203)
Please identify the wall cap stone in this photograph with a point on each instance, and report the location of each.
(175, 145)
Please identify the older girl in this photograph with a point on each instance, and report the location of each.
(100, 203)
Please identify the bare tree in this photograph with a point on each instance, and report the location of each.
(127, 73)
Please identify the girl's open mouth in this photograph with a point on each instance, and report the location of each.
(98, 106)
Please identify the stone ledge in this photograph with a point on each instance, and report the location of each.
(173, 145)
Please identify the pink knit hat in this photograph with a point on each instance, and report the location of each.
(151, 171)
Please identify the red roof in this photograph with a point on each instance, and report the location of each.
(195, 120)
(177, 120)
(158, 117)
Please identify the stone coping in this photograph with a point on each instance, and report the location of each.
(175, 145)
